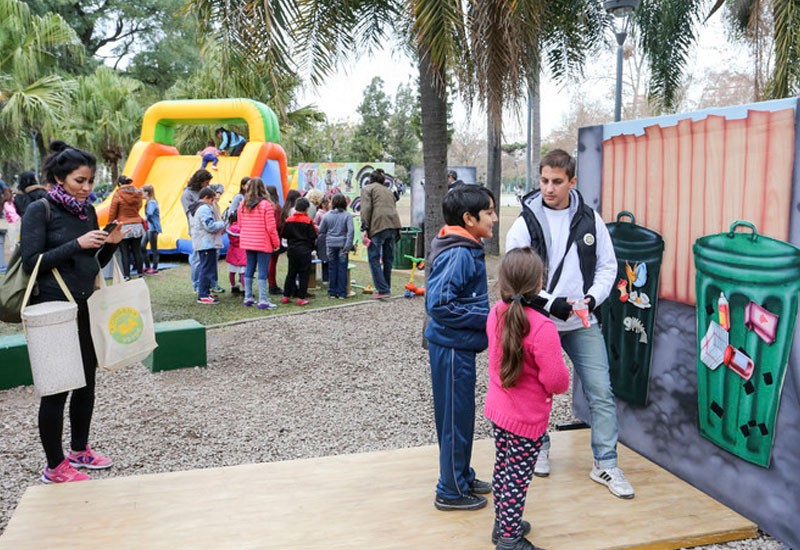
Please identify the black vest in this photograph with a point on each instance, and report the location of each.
(582, 231)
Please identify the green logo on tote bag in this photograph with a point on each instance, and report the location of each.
(125, 325)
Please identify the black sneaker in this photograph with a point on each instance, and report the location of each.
(526, 528)
(519, 543)
(480, 487)
(275, 290)
(466, 502)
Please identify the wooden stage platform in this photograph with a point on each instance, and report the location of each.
(372, 500)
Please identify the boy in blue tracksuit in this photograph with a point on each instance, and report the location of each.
(457, 304)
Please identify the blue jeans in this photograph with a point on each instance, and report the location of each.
(207, 268)
(257, 260)
(382, 248)
(453, 384)
(337, 272)
(587, 350)
(194, 264)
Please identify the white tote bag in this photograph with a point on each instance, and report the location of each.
(51, 329)
(122, 321)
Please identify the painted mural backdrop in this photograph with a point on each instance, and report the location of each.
(347, 178)
(695, 177)
(720, 407)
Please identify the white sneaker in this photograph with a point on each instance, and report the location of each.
(614, 479)
(542, 466)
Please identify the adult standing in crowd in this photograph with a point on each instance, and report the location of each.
(380, 224)
(64, 232)
(191, 194)
(453, 179)
(28, 190)
(573, 241)
(125, 206)
(230, 142)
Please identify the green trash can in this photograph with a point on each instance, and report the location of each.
(628, 316)
(406, 245)
(747, 293)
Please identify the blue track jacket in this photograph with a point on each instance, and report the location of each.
(456, 295)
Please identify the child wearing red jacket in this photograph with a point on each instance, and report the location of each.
(236, 257)
(525, 369)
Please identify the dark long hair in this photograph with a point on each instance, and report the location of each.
(288, 203)
(63, 160)
(519, 281)
(255, 192)
(198, 179)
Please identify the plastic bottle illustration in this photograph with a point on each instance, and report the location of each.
(724, 312)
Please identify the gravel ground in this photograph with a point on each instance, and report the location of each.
(347, 379)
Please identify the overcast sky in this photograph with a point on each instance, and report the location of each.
(340, 95)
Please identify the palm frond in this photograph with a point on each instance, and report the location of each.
(786, 73)
(667, 32)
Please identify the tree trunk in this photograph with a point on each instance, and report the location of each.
(433, 104)
(494, 175)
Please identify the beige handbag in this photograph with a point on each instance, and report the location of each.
(121, 319)
(51, 329)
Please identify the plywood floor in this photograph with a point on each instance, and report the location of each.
(373, 500)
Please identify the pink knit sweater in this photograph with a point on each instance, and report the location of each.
(524, 409)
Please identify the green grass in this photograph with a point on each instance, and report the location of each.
(173, 299)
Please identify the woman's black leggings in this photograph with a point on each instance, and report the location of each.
(81, 404)
(131, 249)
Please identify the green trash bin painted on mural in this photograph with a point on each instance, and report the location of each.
(628, 316)
(747, 293)
(406, 245)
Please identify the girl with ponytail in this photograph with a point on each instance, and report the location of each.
(526, 368)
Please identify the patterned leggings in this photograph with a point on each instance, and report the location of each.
(513, 471)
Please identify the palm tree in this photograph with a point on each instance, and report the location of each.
(435, 30)
(770, 27)
(33, 97)
(105, 117)
(510, 42)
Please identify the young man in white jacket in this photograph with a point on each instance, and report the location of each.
(574, 243)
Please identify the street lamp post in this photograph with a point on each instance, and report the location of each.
(622, 10)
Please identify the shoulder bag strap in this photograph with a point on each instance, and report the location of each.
(557, 274)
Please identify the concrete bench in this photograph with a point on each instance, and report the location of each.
(181, 344)
(15, 368)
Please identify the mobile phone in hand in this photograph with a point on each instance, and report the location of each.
(110, 227)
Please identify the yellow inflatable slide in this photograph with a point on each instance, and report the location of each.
(155, 160)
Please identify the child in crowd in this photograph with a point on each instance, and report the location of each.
(219, 189)
(210, 154)
(301, 236)
(526, 368)
(322, 253)
(236, 257)
(337, 229)
(272, 270)
(207, 231)
(153, 217)
(457, 303)
(258, 236)
(9, 226)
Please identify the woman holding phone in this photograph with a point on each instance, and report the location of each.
(62, 229)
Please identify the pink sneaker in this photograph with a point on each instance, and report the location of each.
(89, 459)
(285, 300)
(302, 302)
(63, 473)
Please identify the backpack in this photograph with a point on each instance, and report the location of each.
(13, 285)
